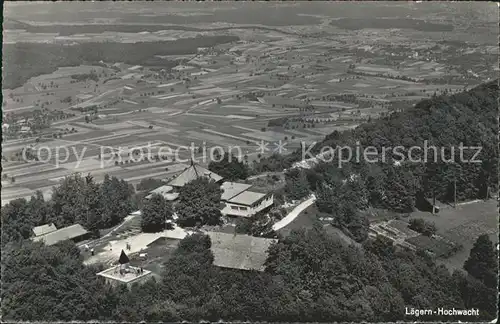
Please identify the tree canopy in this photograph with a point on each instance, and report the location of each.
(229, 167)
(309, 276)
(76, 200)
(155, 212)
(422, 226)
(199, 203)
(50, 283)
(259, 224)
(296, 186)
(482, 263)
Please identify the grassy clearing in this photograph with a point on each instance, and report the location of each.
(463, 225)
(305, 220)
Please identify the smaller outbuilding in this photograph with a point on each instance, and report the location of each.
(75, 233)
(44, 229)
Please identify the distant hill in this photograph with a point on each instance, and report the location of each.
(400, 23)
(22, 61)
(15, 24)
(68, 30)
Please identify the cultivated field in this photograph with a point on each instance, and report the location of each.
(226, 95)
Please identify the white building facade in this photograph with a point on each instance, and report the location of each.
(240, 202)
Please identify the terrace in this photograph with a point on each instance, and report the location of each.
(129, 275)
(396, 231)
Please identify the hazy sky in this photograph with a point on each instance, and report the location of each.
(84, 11)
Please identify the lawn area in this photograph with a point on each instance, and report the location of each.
(463, 225)
(305, 220)
(268, 183)
(377, 214)
(440, 248)
(308, 218)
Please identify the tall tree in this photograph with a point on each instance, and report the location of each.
(68, 203)
(116, 197)
(50, 283)
(150, 184)
(199, 203)
(155, 212)
(230, 168)
(297, 186)
(39, 209)
(16, 222)
(345, 200)
(92, 203)
(482, 263)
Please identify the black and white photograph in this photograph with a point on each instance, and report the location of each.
(250, 161)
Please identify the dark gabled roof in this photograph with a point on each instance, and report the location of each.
(123, 258)
(191, 173)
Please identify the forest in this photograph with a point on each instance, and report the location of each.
(309, 276)
(77, 200)
(445, 121)
(469, 117)
(22, 61)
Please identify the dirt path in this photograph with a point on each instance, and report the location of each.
(98, 240)
(294, 213)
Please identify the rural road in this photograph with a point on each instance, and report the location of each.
(263, 175)
(294, 213)
(94, 99)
